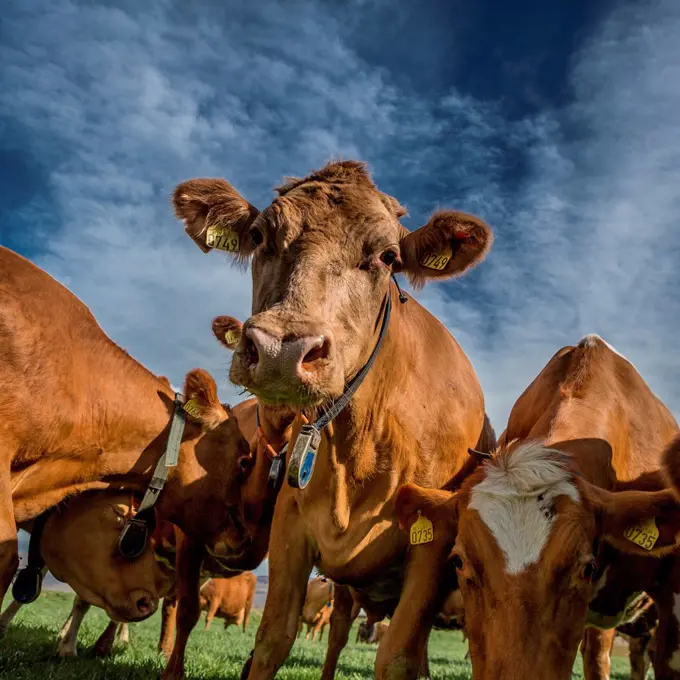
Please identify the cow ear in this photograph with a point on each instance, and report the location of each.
(202, 403)
(215, 216)
(228, 331)
(641, 522)
(449, 244)
(436, 505)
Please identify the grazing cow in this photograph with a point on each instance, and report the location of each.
(79, 413)
(572, 503)
(230, 599)
(322, 256)
(318, 607)
(378, 632)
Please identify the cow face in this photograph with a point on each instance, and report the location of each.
(79, 545)
(522, 535)
(205, 500)
(322, 254)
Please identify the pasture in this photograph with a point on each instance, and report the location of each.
(26, 652)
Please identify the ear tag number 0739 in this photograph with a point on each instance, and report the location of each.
(222, 239)
(421, 531)
(644, 534)
(437, 261)
(303, 457)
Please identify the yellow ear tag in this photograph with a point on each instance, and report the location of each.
(437, 261)
(222, 239)
(421, 531)
(644, 534)
(232, 337)
(193, 409)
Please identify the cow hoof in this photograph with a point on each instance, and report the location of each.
(67, 653)
(103, 650)
(246, 667)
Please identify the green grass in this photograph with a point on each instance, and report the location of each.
(27, 651)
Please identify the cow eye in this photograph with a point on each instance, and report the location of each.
(389, 257)
(457, 562)
(257, 237)
(589, 571)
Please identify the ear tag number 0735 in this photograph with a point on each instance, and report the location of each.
(644, 534)
(303, 457)
(222, 239)
(422, 531)
(437, 261)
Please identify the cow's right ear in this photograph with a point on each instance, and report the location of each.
(228, 331)
(438, 506)
(216, 216)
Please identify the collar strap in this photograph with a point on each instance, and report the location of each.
(135, 535)
(303, 456)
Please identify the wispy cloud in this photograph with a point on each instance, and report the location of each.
(113, 106)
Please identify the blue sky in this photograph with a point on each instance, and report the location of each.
(556, 122)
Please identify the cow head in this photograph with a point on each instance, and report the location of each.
(79, 546)
(322, 254)
(522, 540)
(204, 491)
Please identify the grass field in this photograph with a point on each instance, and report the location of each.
(27, 651)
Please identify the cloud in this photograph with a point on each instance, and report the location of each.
(112, 107)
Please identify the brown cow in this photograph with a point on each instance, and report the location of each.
(537, 530)
(318, 607)
(79, 413)
(230, 599)
(322, 256)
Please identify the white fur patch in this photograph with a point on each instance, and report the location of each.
(592, 340)
(674, 661)
(515, 500)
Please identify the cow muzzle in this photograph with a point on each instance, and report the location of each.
(298, 368)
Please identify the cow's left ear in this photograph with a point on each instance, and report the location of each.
(448, 245)
(642, 522)
(202, 403)
(228, 331)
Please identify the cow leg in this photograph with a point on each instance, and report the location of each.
(401, 650)
(68, 635)
(425, 663)
(123, 636)
(309, 631)
(189, 560)
(666, 657)
(289, 571)
(342, 617)
(637, 657)
(9, 552)
(168, 623)
(212, 610)
(8, 616)
(596, 649)
(104, 645)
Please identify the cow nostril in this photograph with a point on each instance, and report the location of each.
(320, 350)
(251, 354)
(144, 605)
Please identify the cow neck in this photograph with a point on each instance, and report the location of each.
(302, 459)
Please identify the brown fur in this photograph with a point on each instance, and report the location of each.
(230, 599)
(80, 414)
(590, 404)
(319, 271)
(318, 607)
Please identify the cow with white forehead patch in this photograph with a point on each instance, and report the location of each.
(573, 498)
(388, 394)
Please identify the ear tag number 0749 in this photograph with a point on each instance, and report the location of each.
(644, 534)
(303, 457)
(437, 261)
(421, 531)
(222, 239)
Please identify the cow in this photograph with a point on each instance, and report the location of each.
(230, 599)
(78, 413)
(322, 257)
(571, 503)
(318, 607)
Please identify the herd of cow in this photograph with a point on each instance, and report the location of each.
(365, 452)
